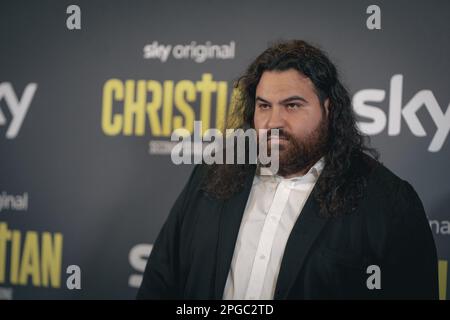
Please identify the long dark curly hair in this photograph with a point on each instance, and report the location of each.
(340, 185)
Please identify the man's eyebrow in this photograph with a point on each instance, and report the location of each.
(293, 98)
(258, 98)
(284, 101)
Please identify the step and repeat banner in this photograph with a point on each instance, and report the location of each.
(90, 92)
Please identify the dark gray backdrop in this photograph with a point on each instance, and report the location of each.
(108, 194)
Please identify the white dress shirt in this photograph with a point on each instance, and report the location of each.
(272, 209)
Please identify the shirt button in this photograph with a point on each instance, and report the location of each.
(262, 257)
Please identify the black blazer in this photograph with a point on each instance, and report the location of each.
(324, 258)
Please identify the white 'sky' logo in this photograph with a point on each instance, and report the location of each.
(396, 112)
(18, 108)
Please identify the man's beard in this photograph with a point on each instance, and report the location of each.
(297, 155)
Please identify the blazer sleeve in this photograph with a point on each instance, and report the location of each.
(160, 280)
(410, 269)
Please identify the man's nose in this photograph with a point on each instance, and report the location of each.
(276, 119)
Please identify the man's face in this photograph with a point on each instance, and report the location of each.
(286, 100)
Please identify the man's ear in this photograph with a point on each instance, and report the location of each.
(327, 106)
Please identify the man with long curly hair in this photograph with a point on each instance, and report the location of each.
(333, 223)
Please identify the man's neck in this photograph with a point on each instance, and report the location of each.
(297, 174)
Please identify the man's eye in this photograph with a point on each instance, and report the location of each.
(263, 106)
(292, 105)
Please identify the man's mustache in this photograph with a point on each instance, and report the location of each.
(282, 134)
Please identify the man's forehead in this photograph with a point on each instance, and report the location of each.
(283, 84)
(291, 76)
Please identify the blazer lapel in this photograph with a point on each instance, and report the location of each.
(303, 234)
(230, 222)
